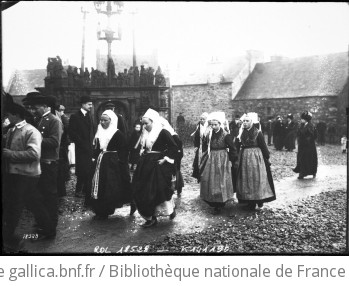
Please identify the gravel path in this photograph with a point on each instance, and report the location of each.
(196, 225)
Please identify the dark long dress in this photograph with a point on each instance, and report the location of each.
(290, 135)
(254, 179)
(279, 135)
(178, 160)
(134, 152)
(152, 182)
(114, 183)
(307, 155)
(197, 144)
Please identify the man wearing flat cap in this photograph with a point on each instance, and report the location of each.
(81, 132)
(121, 121)
(51, 130)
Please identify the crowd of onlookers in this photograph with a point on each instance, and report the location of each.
(232, 161)
(281, 132)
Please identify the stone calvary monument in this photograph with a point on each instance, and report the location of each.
(132, 90)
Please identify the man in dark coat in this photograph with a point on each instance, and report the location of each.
(269, 128)
(307, 160)
(279, 133)
(321, 128)
(234, 126)
(331, 133)
(180, 120)
(290, 133)
(51, 130)
(81, 132)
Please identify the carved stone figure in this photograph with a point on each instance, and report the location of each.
(64, 73)
(49, 67)
(110, 70)
(57, 67)
(87, 76)
(93, 77)
(70, 76)
(136, 76)
(159, 78)
(126, 78)
(76, 76)
(104, 79)
(143, 76)
(119, 79)
(131, 77)
(150, 76)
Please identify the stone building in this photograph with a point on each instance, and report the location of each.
(212, 87)
(279, 87)
(316, 83)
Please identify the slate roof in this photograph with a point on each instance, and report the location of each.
(321, 75)
(24, 81)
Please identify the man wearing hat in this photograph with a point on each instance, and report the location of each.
(29, 115)
(21, 173)
(121, 121)
(279, 133)
(234, 126)
(291, 133)
(51, 130)
(269, 127)
(81, 132)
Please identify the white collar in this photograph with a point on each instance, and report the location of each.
(21, 124)
(46, 113)
(83, 111)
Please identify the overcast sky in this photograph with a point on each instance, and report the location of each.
(189, 31)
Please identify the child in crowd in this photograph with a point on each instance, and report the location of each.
(134, 145)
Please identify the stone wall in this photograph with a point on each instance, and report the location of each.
(193, 100)
(324, 108)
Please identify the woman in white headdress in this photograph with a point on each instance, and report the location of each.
(198, 136)
(254, 182)
(216, 187)
(152, 180)
(111, 184)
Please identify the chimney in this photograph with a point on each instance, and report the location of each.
(278, 58)
(254, 57)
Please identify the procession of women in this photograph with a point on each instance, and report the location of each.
(227, 167)
(143, 171)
